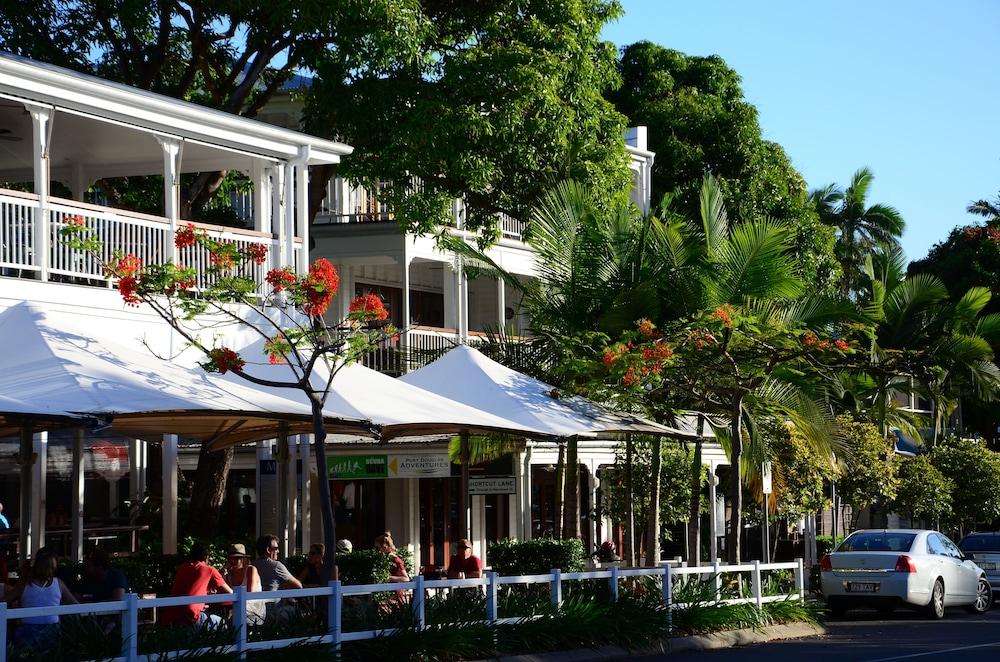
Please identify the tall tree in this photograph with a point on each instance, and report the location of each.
(988, 209)
(699, 121)
(498, 102)
(860, 226)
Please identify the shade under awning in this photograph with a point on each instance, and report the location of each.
(59, 369)
(466, 375)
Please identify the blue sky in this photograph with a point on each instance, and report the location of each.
(910, 88)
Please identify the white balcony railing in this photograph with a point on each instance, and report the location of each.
(145, 236)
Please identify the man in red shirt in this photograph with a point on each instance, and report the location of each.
(195, 577)
(465, 564)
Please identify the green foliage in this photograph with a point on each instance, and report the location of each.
(487, 102)
(700, 122)
(924, 493)
(536, 557)
(869, 473)
(700, 611)
(974, 470)
(799, 472)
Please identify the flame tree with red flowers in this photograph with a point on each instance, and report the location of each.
(287, 310)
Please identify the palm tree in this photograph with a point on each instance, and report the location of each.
(860, 227)
(989, 209)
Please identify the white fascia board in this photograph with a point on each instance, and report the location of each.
(146, 110)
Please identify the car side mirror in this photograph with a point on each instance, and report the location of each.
(968, 557)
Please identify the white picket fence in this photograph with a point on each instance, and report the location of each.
(335, 593)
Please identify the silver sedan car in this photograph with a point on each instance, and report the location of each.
(887, 568)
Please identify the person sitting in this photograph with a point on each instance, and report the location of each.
(464, 564)
(101, 582)
(41, 589)
(274, 576)
(397, 572)
(240, 572)
(344, 546)
(312, 574)
(195, 577)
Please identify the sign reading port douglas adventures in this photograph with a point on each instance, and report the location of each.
(357, 467)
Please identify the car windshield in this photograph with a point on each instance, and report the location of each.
(878, 541)
(989, 543)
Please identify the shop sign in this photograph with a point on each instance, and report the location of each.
(419, 466)
(353, 467)
(492, 485)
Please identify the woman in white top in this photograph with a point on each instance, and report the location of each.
(240, 572)
(42, 589)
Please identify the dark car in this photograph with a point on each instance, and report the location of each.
(984, 549)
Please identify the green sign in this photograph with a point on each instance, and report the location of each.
(349, 467)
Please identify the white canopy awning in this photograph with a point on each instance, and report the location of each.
(466, 375)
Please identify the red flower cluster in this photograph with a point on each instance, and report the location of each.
(658, 352)
(630, 378)
(646, 328)
(371, 306)
(974, 232)
(129, 265)
(724, 314)
(810, 339)
(222, 259)
(185, 236)
(74, 220)
(257, 253)
(841, 344)
(701, 338)
(609, 356)
(319, 287)
(279, 279)
(225, 359)
(128, 287)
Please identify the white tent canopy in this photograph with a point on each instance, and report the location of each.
(57, 370)
(466, 375)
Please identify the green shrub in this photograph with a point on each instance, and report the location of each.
(536, 557)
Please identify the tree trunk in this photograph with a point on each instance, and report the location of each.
(571, 519)
(735, 482)
(653, 514)
(209, 490)
(694, 519)
(325, 503)
(463, 493)
(558, 504)
(628, 545)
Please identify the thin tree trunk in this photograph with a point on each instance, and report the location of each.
(653, 514)
(571, 518)
(209, 490)
(628, 545)
(735, 482)
(557, 515)
(463, 494)
(326, 504)
(694, 517)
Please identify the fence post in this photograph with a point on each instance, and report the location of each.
(333, 612)
(556, 587)
(668, 597)
(240, 621)
(758, 590)
(800, 579)
(718, 579)
(614, 583)
(3, 630)
(418, 603)
(491, 597)
(130, 628)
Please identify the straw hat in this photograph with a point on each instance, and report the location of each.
(237, 549)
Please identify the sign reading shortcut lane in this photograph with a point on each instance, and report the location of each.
(492, 485)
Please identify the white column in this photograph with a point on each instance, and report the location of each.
(477, 504)
(405, 324)
(292, 485)
(40, 448)
(78, 181)
(449, 286)
(302, 203)
(713, 525)
(289, 218)
(305, 453)
(279, 211)
(526, 533)
(76, 507)
(41, 133)
(283, 492)
(501, 304)
(592, 486)
(261, 177)
(169, 477)
(463, 319)
(171, 188)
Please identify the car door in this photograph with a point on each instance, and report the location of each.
(967, 570)
(948, 569)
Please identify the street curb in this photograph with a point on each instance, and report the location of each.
(726, 639)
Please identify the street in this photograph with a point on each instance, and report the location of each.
(867, 636)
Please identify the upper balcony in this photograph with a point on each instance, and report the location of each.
(62, 132)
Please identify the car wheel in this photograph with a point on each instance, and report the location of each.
(935, 608)
(984, 598)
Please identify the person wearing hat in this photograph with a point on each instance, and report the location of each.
(240, 572)
(464, 564)
(344, 546)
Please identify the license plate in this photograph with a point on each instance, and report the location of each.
(987, 565)
(862, 587)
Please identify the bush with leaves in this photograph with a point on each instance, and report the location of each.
(799, 471)
(869, 474)
(975, 472)
(924, 492)
(536, 557)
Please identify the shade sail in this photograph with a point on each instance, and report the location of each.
(394, 408)
(57, 369)
(466, 375)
